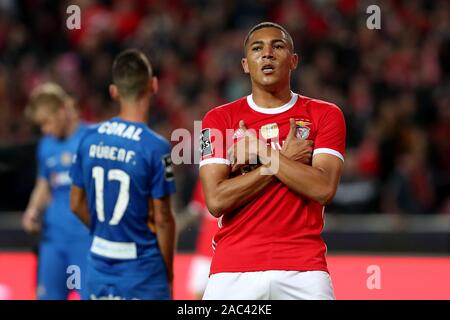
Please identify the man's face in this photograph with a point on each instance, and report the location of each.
(269, 57)
(51, 122)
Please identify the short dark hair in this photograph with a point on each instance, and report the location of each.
(131, 72)
(268, 24)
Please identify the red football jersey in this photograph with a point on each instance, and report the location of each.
(279, 229)
(208, 224)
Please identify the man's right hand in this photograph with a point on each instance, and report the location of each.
(31, 222)
(297, 149)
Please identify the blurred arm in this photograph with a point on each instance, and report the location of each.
(187, 217)
(223, 194)
(164, 224)
(318, 182)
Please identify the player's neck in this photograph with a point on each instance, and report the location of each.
(134, 111)
(271, 98)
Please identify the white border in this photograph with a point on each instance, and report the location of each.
(281, 109)
(328, 151)
(215, 160)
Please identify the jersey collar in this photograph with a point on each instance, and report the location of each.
(283, 108)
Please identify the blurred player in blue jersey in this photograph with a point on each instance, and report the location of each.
(65, 241)
(122, 185)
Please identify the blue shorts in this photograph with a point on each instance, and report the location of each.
(136, 279)
(61, 268)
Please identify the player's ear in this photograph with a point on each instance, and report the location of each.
(153, 85)
(114, 91)
(245, 65)
(294, 61)
(70, 103)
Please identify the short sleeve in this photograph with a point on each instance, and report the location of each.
(43, 170)
(330, 136)
(76, 170)
(162, 182)
(213, 138)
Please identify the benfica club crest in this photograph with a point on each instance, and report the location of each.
(66, 158)
(302, 129)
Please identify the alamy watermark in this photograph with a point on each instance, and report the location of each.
(73, 21)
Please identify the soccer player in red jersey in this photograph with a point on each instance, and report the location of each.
(269, 244)
(199, 268)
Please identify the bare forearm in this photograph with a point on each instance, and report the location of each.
(235, 192)
(165, 233)
(40, 196)
(312, 182)
(82, 212)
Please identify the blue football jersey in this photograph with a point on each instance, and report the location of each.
(54, 158)
(122, 165)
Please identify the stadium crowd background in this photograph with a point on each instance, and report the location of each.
(392, 84)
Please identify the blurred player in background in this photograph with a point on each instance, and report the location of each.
(269, 244)
(122, 180)
(65, 240)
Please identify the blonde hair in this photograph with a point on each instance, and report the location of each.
(49, 95)
(131, 72)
